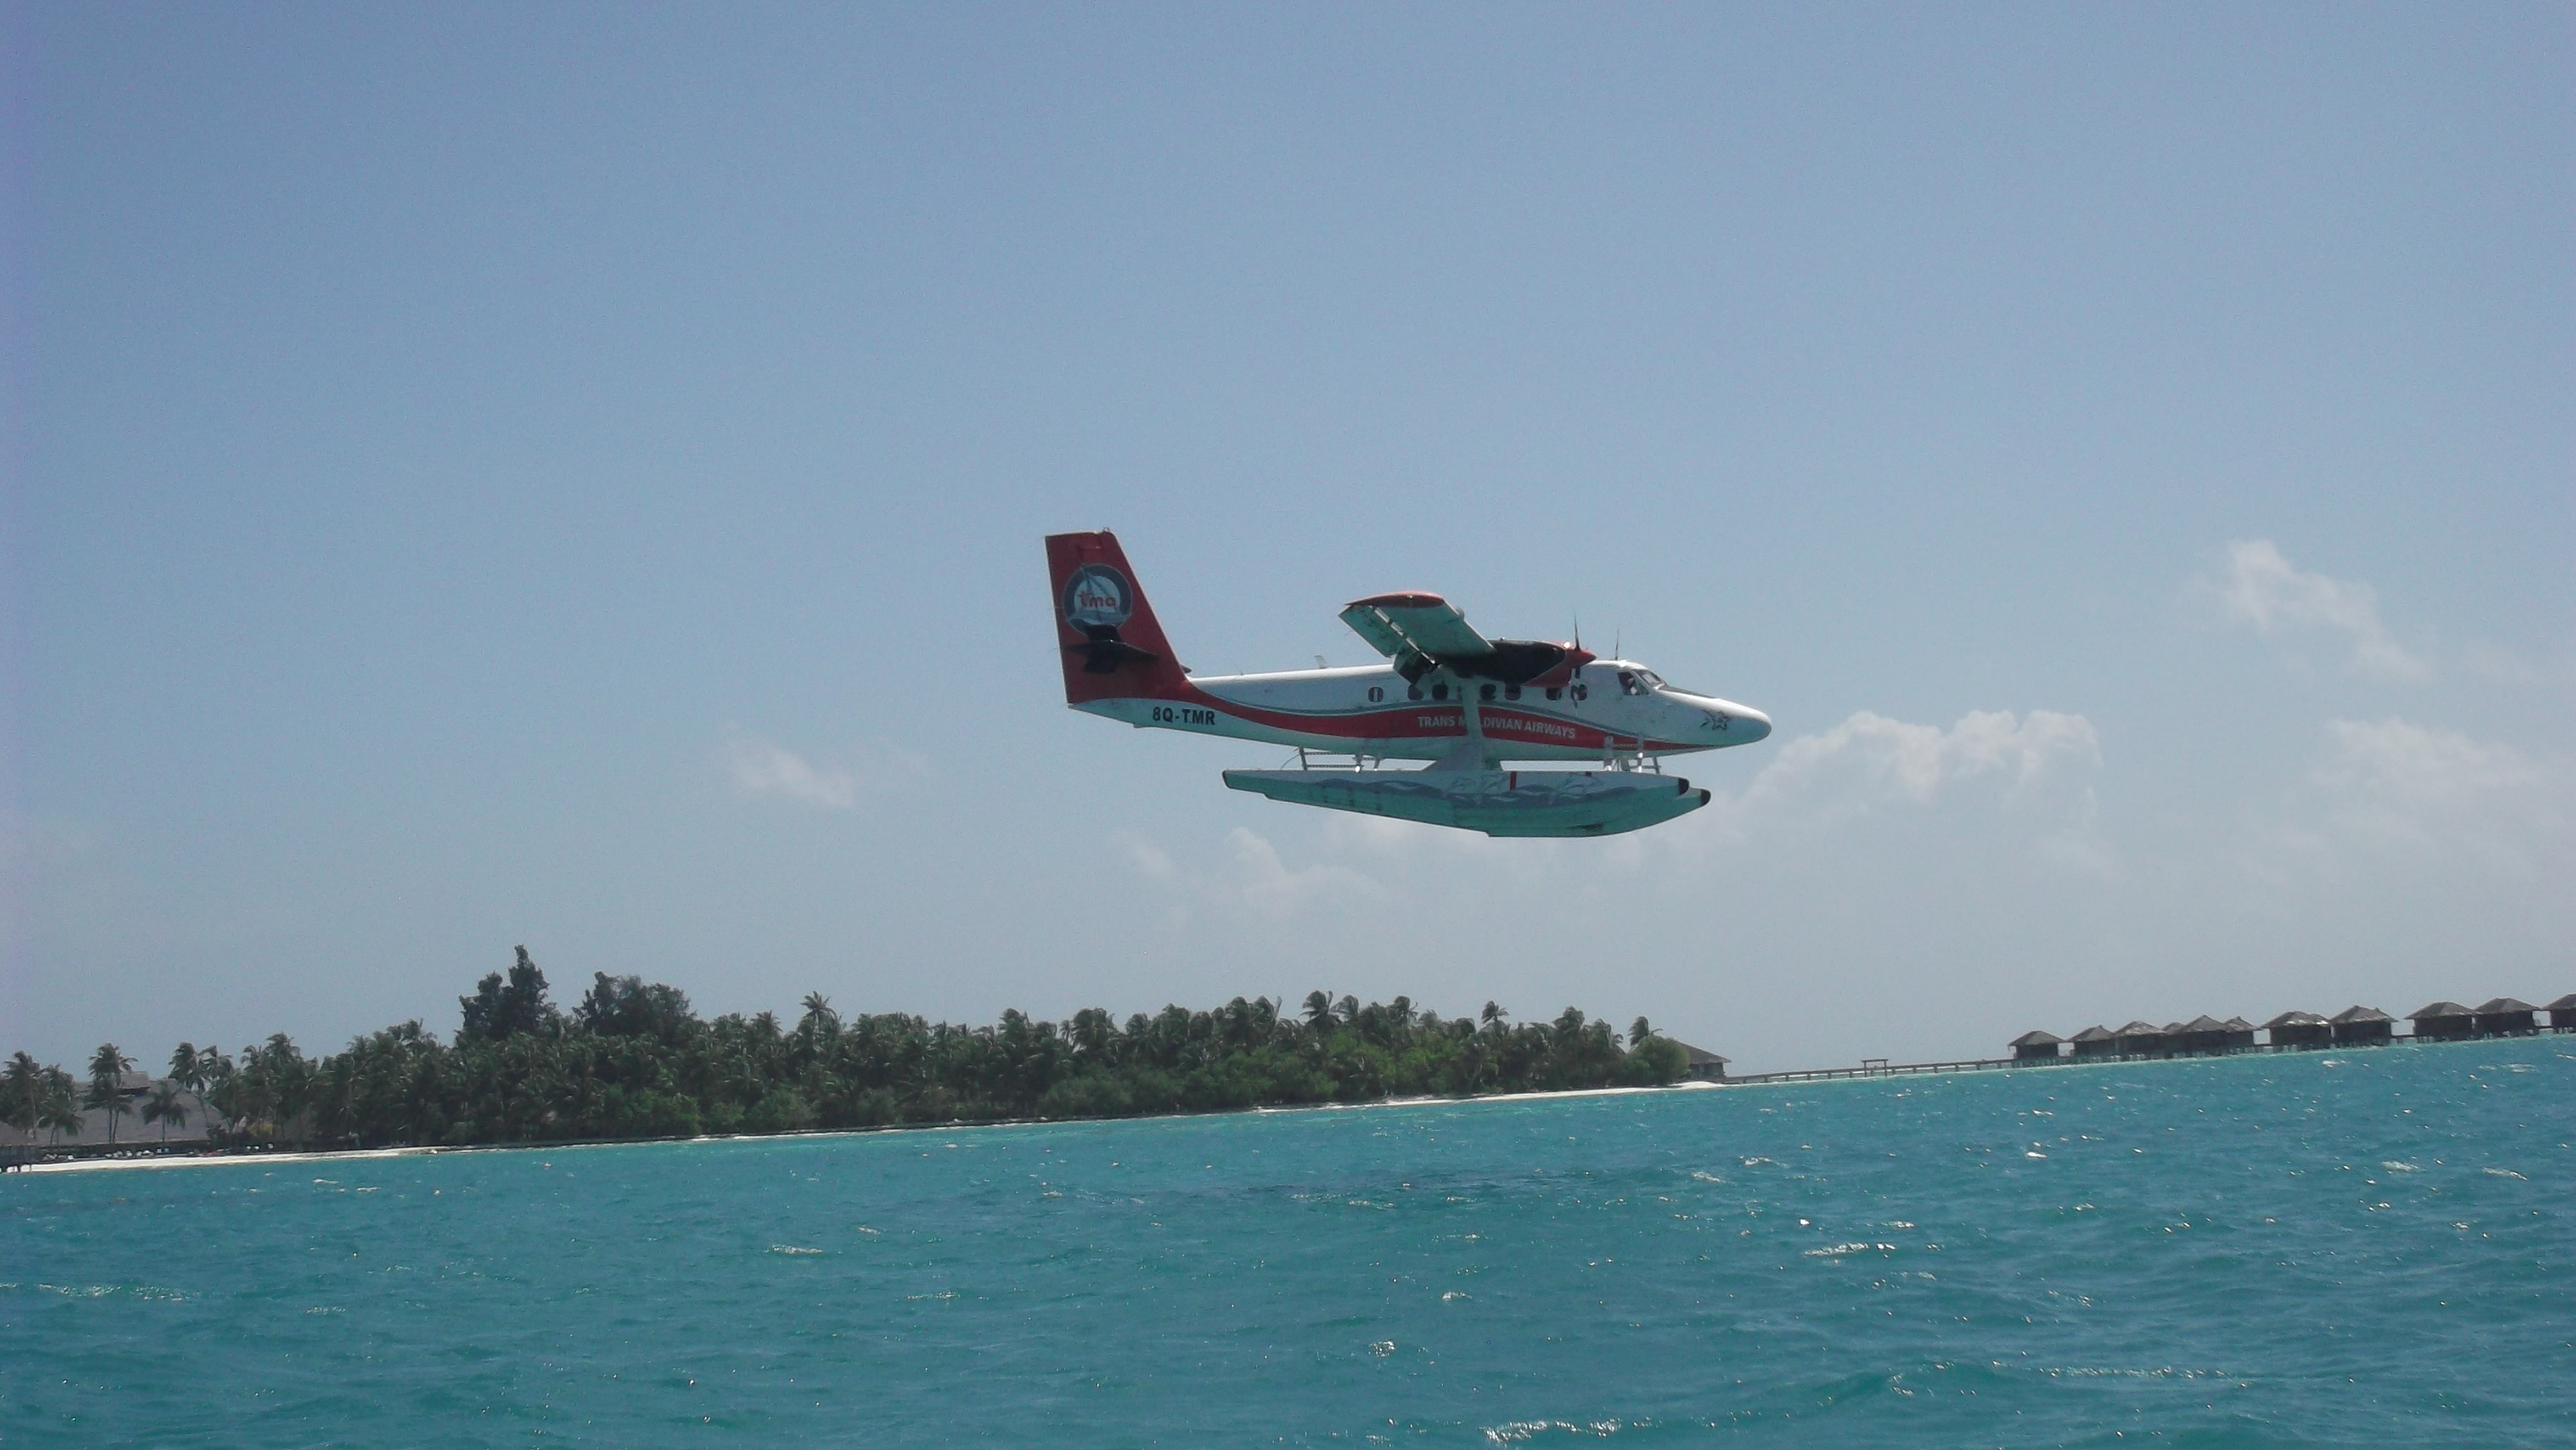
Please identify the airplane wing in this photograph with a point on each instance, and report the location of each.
(1401, 626)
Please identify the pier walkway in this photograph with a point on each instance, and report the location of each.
(1880, 1067)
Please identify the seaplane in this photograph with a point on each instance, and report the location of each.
(1445, 694)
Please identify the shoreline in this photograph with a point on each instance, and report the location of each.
(317, 1155)
(343, 1155)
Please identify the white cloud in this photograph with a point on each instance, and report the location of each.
(2494, 662)
(1152, 861)
(1248, 876)
(2036, 770)
(2393, 782)
(1870, 761)
(2262, 588)
(1266, 883)
(763, 769)
(2406, 764)
(2421, 815)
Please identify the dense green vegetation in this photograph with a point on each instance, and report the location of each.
(631, 1060)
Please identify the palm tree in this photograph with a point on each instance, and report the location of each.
(1493, 1015)
(186, 1068)
(22, 1095)
(216, 1072)
(58, 1105)
(1319, 1010)
(1475, 1062)
(1638, 1032)
(820, 1024)
(107, 1069)
(164, 1107)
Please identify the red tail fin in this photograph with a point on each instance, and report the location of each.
(1112, 646)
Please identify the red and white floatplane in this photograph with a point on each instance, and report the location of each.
(1446, 695)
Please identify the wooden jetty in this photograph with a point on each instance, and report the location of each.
(1880, 1067)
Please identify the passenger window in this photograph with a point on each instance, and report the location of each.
(1511, 692)
(1484, 692)
(1413, 692)
(1376, 693)
(1440, 691)
(1555, 692)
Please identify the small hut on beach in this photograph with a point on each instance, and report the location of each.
(2300, 1029)
(2443, 1021)
(2562, 1014)
(2035, 1046)
(1704, 1066)
(2504, 1017)
(2096, 1041)
(2359, 1026)
(2141, 1039)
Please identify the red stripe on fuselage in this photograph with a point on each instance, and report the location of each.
(1430, 720)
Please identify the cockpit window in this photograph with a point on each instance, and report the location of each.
(1652, 680)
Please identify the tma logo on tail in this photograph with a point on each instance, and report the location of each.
(1098, 597)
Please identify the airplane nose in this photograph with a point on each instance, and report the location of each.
(1748, 726)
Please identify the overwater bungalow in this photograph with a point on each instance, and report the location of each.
(2504, 1017)
(2098, 1041)
(2359, 1026)
(2202, 1034)
(2141, 1039)
(2035, 1046)
(2562, 1014)
(2300, 1029)
(2443, 1021)
(2240, 1035)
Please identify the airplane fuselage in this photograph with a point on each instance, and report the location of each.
(1609, 709)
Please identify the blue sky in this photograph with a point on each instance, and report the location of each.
(574, 477)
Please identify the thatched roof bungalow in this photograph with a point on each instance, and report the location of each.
(2505, 1017)
(2035, 1046)
(2240, 1034)
(189, 1121)
(2562, 1014)
(2141, 1039)
(2358, 1026)
(2300, 1029)
(2203, 1033)
(2443, 1021)
(1704, 1066)
(2095, 1041)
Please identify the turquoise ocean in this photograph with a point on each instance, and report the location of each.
(2367, 1248)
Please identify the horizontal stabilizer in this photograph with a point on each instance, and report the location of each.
(1104, 656)
(1496, 802)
